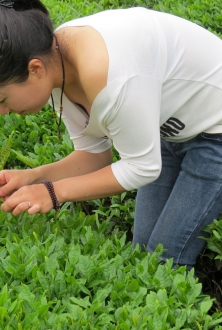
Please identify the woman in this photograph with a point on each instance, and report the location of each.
(130, 76)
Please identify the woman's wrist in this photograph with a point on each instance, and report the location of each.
(60, 192)
(49, 186)
(38, 175)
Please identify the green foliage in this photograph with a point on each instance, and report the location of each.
(34, 141)
(202, 12)
(78, 270)
(66, 273)
(5, 152)
(214, 241)
(207, 13)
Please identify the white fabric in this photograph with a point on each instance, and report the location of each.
(161, 68)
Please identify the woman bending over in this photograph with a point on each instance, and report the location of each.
(146, 81)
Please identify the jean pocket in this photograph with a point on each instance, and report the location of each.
(212, 137)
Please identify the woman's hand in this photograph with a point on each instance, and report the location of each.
(12, 180)
(33, 198)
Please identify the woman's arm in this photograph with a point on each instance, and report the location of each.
(94, 185)
(76, 164)
(98, 184)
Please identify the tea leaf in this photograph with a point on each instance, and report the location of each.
(80, 302)
(86, 266)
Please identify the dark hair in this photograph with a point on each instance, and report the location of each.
(26, 32)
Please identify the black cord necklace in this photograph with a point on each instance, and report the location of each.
(58, 122)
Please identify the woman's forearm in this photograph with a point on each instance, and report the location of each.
(98, 184)
(38, 199)
(78, 163)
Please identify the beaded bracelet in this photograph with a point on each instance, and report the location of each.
(50, 188)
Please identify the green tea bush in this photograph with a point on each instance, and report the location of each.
(207, 13)
(70, 272)
(77, 270)
(34, 136)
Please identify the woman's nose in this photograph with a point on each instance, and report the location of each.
(4, 110)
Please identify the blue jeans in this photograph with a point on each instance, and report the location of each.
(187, 196)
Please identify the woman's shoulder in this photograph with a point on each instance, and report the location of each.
(92, 61)
(86, 50)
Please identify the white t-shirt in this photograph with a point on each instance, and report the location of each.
(164, 78)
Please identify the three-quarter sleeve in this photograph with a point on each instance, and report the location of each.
(134, 129)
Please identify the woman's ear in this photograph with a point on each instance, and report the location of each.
(36, 68)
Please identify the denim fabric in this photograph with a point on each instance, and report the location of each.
(185, 198)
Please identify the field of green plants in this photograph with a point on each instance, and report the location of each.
(77, 269)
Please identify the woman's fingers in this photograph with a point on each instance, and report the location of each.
(11, 180)
(8, 184)
(34, 209)
(22, 207)
(33, 198)
(3, 182)
(17, 209)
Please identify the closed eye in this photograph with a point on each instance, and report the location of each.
(3, 101)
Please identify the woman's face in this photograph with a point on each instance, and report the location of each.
(22, 99)
(27, 97)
